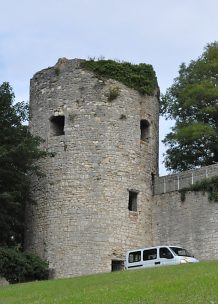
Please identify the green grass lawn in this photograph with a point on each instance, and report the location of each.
(192, 283)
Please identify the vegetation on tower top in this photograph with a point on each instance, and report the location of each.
(140, 77)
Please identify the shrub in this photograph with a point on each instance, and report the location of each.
(17, 266)
(209, 185)
(113, 93)
(37, 268)
(140, 77)
(57, 71)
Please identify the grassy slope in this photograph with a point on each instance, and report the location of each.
(197, 283)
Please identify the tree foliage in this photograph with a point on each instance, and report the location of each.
(17, 266)
(192, 101)
(18, 151)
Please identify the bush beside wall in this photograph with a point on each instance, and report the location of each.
(17, 266)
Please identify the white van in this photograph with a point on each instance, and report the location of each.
(157, 256)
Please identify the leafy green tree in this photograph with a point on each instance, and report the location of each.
(18, 151)
(192, 101)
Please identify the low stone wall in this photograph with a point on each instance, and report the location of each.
(192, 224)
(174, 182)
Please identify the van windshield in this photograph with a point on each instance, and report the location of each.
(181, 252)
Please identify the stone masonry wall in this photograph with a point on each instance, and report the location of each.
(80, 221)
(192, 224)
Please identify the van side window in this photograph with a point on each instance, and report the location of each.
(165, 253)
(149, 254)
(134, 256)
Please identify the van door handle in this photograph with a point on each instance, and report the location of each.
(156, 263)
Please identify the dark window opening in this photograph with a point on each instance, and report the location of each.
(152, 178)
(145, 130)
(152, 182)
(133, 201)
(57, 125)
(117, 265)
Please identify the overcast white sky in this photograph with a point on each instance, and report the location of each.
(164, 33)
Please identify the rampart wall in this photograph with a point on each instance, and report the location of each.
(192, 223)
(174, 182)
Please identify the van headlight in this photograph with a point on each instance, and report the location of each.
(183, 261)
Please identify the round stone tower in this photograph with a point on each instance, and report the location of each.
(94, 201)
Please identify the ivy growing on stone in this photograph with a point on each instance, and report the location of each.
(140, 77)
(209, 185)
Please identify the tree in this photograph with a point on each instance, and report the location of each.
(18, 151)
(192, 101)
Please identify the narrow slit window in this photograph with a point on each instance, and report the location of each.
(57, 125)
(133, 201)
(145, 130)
